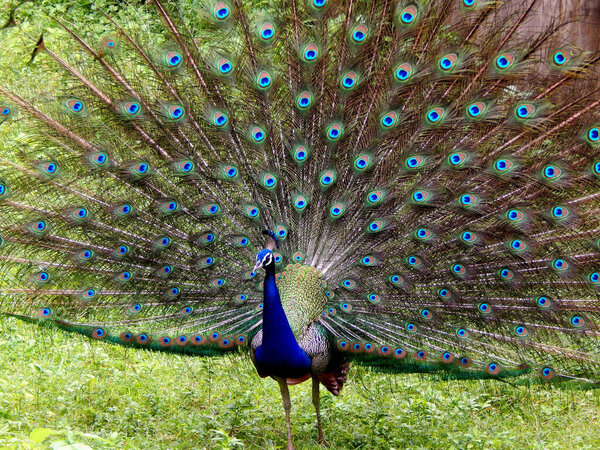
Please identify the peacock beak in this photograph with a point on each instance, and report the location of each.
(257, 267)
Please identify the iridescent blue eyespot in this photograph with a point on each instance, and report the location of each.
(577, 321)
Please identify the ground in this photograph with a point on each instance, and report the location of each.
(59, 389)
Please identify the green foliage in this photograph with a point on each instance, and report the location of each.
(84, 393)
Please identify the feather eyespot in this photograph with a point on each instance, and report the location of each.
(552, 173)
(506, 274)
(240, 299)
(484, 308)
(269, 181)
(205, 262)
(42, 277)
(163, 242)
(447, 62)
(349, 81)
(300, 203)
(399, 353)
(121, 251)
(389, 119)
(493, 368)
(476, 110)
(547, 373)
(327, 178)
(403, 72)
(517, 246)
(45, 313)
(420, 197)
(362, 163)
(266, 31)
(257, 135)
(334, 132)
(525, 111)
(520, 331)
(337, 210)
(593, 135)
(576, 321)
(88, 294)
(444, 293)
(198, 340)
(359, 34)
(369, 261)
(221, 11)
(423, 234)
(459, 270)
(310, 53)
(304, 100)
(414, 261)
(281, 232)
(75, 106)
(131, 109)
(594, 278)
(465, 361)
(560, 58)
(142, 339)
(219, 119)
(86, 255)
(348, 284)
(164, 271)
(99, 333)
(462, 333)
(447, 357)
(408, 15)
(125, 276)
(263, 80)
(252, 212)
(346, 307)
(373, 298)
(396, 279)
(173, 59)
(421, 355)
(175, 113)
(298, 257)
(414, 162)
(376, 226)
(435, 115)
(504, 61)
(300, 153)
(242, 241)
(224, 66)
(375, 197)
(457, 159)
(543, 302)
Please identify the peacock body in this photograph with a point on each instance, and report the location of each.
(418, 180)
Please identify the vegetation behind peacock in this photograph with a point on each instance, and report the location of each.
(429, 176)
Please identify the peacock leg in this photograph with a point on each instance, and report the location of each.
(316, 398)
(287, 404)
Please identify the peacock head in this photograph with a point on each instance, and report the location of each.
(264, 258)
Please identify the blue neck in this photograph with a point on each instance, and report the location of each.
(279, 350)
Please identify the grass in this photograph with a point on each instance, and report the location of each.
(65, 392)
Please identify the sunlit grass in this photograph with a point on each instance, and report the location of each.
(109, 397)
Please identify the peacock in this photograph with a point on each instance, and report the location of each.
(412, 185)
